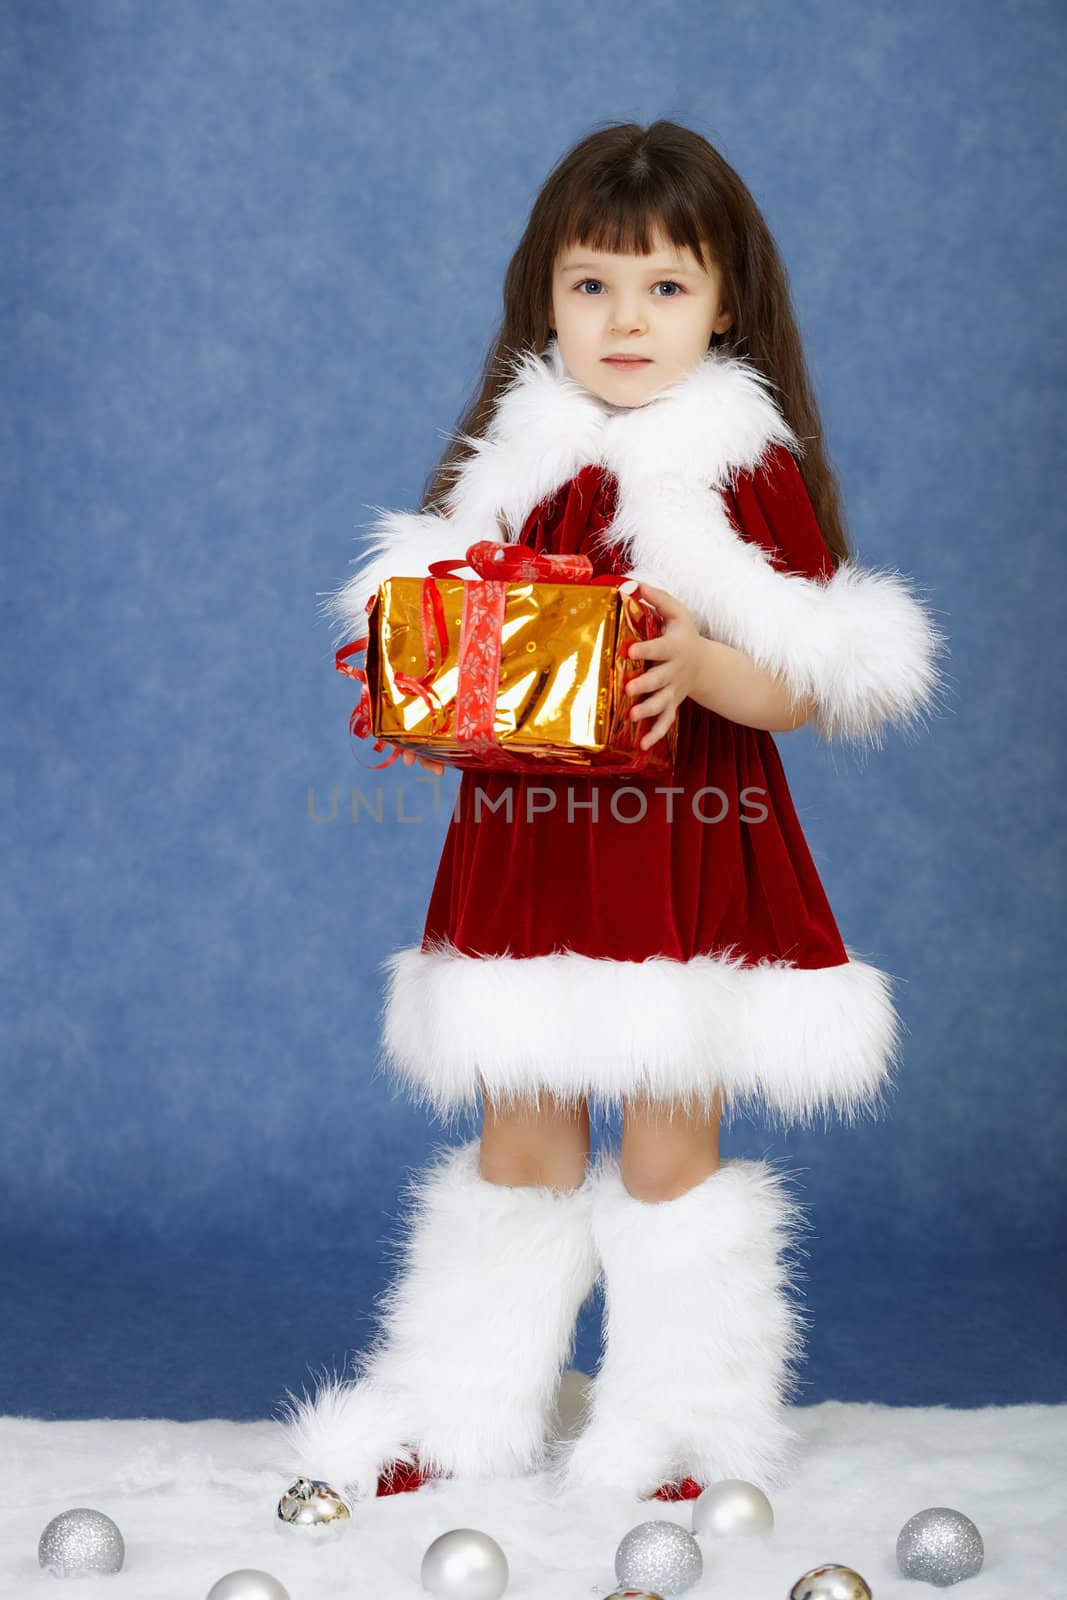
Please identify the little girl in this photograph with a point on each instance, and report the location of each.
(660, 946)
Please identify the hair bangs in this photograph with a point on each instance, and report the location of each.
(626, 221)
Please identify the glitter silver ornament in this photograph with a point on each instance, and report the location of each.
(248, 1583)
(465, 1564)
(733, 1507)
(79, 1542)
(830, 1583)
(314, 1509)
(659, 1555)
(940, 1546)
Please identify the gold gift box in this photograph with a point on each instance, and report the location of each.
(561, 701)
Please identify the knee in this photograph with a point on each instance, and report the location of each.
(546, 1145)
(668, 1148)
(511, 1176)
(656, 1182)
(521, 1169)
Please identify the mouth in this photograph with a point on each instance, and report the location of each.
(628, 361)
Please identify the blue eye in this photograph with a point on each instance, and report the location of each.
(671, 281)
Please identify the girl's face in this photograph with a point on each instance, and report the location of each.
(662, 307)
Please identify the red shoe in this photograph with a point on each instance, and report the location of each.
(688, 1489)
(401, 1478)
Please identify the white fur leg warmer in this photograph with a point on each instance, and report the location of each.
(699, 1336)
(476, 1330)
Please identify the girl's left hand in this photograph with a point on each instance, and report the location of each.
(677, 652)
(410, 756)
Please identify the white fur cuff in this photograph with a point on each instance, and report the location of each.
(401, 545)
(861, 644)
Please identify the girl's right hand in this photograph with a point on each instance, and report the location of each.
(409, 756)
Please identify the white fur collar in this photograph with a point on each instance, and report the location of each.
(715, 421)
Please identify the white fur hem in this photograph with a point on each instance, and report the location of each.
(783, 1041)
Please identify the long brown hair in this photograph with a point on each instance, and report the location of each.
(609, 192)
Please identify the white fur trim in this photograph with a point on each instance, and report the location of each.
(400, 545)
(475, 1332)
(861, 644)
(791, 1041)
(700, 1336)
(546, 426)
(345, 1434)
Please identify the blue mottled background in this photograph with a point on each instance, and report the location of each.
(253, 258)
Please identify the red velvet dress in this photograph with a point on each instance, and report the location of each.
(721, 865)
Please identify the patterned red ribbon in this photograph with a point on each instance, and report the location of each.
(480, 641)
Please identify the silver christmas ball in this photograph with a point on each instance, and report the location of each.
(314, 1509)
(940, 1546)
(572, 1402)
(732, 1507)
(659, 1555)
(465, 1564)
(830, 1583)
(248, 1583)
(79, 1542)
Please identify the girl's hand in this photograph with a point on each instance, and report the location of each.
(678, 652)
(409, 756)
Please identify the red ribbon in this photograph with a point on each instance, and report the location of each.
(359, 722)
(480, 641)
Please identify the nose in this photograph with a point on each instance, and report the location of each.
(626, 315)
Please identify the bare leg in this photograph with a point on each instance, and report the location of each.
(530, 1145)
(666, 1150)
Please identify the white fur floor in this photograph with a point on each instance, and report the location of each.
(197, 1499)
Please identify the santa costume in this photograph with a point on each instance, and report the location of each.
(603, 937)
